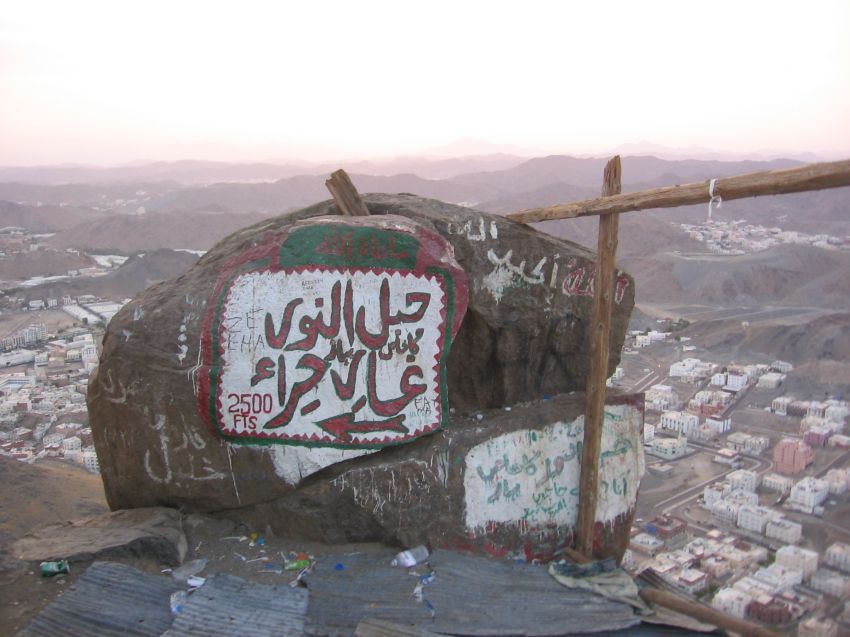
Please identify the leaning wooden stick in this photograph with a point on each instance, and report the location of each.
(704, 613)
(345, 195)
(598, 369)
(700, 612)
(773, 182)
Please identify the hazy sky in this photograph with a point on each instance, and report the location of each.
(108, 82)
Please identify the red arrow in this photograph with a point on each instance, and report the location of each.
(341, 427)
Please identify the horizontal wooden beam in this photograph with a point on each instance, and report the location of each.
(772, 182)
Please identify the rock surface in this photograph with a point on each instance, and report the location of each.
(154, 532)
(169, 430)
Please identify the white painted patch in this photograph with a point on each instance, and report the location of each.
(138, 314)
(293, 464)
(506, 274)
(474, 230)
(182, 348)
(262, 365)
(531, 478)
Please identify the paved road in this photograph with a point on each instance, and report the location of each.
(759, 465)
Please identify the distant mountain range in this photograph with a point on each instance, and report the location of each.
(171, 205)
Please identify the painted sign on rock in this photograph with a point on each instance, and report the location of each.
(530, 479)
(334, 335)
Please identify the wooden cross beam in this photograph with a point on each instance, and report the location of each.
(772, 182)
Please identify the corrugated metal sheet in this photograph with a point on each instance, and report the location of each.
(109, 600)
(469, 596)
(227, 606)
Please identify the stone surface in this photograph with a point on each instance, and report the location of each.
(154, 532)
(504, 485)
(189, 407)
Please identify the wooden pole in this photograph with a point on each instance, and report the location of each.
(598, 372)
(701, 612)
(345, 195)
(704, 613)
(773, 182)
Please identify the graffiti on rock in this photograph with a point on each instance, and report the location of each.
(531, 478)
(579, 279)
(334, 338)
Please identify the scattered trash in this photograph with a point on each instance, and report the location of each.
(299, 580)
(507, 408)
(417, 593)
(273, 568)
(411, 557)
(239, 555)
(57, 567)
(261, 541)
(546, 396)
(258, 559)
(196, 582)
(479, 416)
(189, 569)
(296, 565)
(238, 538)
(339, 567)
(178, 601)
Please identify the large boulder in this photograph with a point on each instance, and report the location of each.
(311, 345)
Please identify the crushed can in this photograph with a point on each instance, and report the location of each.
(55, 567)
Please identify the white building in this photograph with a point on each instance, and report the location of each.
(755, 518)
(720, 426)
(782, 367)
(817, 409)
(727, 508)
(643, 340)
(661, 397)
(784, 530)
(692, 580)
(736, 382)
(648, 432)
(838, 556)
(771, 380)
(838, 480)
(777, 578)
(732, 602)
(73, 443)
(797, 558)
(808, 493)
(679, 421)
(669, 448)
(778, 483)
(780, 405)
(715, 492)
(89, 459)
(719, 379)
(680, 368)
(831, 582)
(743, 479)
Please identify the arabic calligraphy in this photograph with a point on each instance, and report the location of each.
(581, 281)
(532, 476)
(345, 357)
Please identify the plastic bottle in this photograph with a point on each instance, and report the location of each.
(411, 557)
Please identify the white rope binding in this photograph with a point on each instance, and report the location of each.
(713, 199)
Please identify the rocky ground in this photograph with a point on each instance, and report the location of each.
(55, 492)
